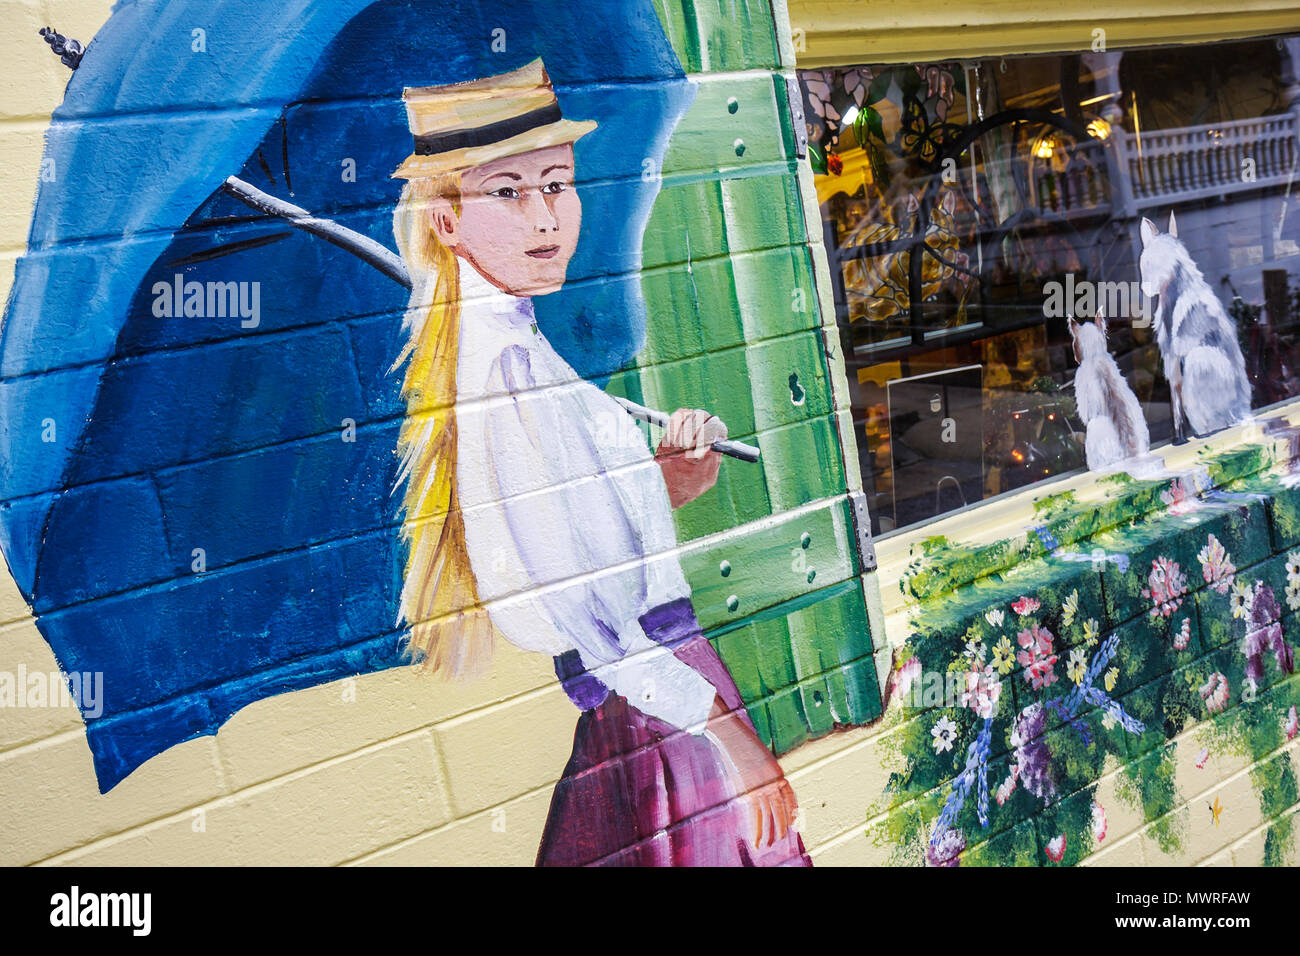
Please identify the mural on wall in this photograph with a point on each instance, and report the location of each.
(1123, 641)
(284, 454)
(488, 219)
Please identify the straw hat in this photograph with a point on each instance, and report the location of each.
(461, 125)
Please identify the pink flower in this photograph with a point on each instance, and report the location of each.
(1098, 821)
(1166, 586)
(1216, 566)
(1202, 757)
(1026, 606)
(1037, 658)
(983, 689)
(1292, 724)
(1179, 500)
(1055, 849)
(1215, 693)
(906, 676)
(1183, 636)
(1008, 786)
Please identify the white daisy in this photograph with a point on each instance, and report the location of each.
(1239, 599)
(944, 734)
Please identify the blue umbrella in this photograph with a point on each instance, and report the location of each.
(200, 508)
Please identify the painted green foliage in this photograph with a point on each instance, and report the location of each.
(1018, 689)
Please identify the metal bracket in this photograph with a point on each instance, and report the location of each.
(862, 530)
(794, 93)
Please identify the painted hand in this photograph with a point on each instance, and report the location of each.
(686, 455)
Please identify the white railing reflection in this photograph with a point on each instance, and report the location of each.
(1163, 167)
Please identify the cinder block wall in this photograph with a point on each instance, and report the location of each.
(389, 767)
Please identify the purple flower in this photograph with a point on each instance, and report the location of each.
(1265, 634)
(1264, 608)
(1285, 656)
(1032, 756)
(947, 852)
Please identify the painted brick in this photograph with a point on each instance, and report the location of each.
(22, 653)
(385, 794)
(506, 835)
(499, 753)
(47, 787)
(335, 719)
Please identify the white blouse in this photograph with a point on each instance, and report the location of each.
(567, 519)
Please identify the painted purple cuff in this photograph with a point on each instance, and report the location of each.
(584, 688)
(671, 624)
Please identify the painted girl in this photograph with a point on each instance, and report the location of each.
(524, 520)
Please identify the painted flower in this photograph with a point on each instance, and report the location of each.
(1055, 848)
(1179, 498)
(947, 851)
(983, 690)
(1293, 595)
(944, 733)
(1008, 786)
(1004, 656)
(1184, 635)
(1265, 634)
(1112, 678)
(1077, 666)
(1070, 608)
(1037, 658)
(995, 617)
(905, 676)
(1216, 567)
(1166, 585)
(1264, 608)
(1240, 598)
(1293, 567)
(1202, 757)
(974, 651)
(1033, 759)
(1098, 821)
(1091, 632)
(1291, 725)
(1215, 693)
(1026, 606)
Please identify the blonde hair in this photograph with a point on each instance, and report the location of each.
(439, 600)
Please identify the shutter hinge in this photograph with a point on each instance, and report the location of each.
(862, 530)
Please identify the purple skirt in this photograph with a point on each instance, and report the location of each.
(639, 792)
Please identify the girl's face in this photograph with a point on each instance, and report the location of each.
(519, 220)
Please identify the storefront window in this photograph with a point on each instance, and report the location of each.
(972, 209)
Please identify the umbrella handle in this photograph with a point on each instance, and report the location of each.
(733, 449)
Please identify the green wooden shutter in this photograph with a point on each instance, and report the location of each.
(734, 327)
